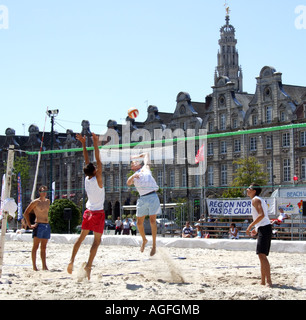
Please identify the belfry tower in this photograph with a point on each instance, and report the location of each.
(228, 57)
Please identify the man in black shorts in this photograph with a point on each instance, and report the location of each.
(263, 228)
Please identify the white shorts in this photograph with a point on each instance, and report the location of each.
(148, 205)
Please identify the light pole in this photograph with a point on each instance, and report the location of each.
(52, 114)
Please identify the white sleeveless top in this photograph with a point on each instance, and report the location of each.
(145, 183)
(265, 221)
(96, 195)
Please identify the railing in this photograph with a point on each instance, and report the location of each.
(220, 230)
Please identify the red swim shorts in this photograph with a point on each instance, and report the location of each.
(93, 221)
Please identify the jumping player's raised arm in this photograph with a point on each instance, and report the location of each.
(82, 139)
(146, 159)
(98, 160)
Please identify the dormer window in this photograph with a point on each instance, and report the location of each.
(222, 121)
(269, 114)
(222, 101)
(282, 116)
(267, 93)
(235, 123)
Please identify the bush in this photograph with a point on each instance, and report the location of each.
(56, 216)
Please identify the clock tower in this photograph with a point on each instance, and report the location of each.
(228, 57)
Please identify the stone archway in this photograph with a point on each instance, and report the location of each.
(108, 209)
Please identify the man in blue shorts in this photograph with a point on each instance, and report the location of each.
(41, 228)
(148, 202)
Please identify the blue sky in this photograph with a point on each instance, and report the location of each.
(94, 60)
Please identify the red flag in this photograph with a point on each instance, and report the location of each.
(200, 155)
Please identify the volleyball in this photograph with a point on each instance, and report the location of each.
(133, 113)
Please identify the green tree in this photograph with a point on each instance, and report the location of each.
(180, 211)
(249, 170)
(56, 216)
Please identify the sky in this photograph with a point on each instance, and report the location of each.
(95, 59)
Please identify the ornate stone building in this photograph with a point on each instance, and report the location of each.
(226, 109)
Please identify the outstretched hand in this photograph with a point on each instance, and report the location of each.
(95, 138)
(81, 138)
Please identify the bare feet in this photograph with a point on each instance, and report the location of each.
(153, 251)
(70, 268)
(143, 245)
(268, 284)
(88, 272)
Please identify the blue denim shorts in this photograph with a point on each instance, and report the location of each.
(148, 205)
(43, 231)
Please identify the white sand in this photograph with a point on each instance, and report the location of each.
(123, 273)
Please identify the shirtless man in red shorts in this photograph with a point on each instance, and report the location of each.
(94, 216)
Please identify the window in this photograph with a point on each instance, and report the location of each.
(303, 139)
(235, 123)
(269, 170)
(253, 144)
(269, 143)
(57, 171)
(237, 146)
(268, 114)
(286, 139)
(223, 174)
(287, 170)
(172, 178)
(80, 166)
(210, 126)
(254, 120)
(184, 178)
(222, 121)
(303, 169)
(182, 110)
(108, 183)
(267, 93)
(160, 177)
(210, 170)
(222, 101)
(197, 181)
(116, 182)
(184, 126)
(282, 116)
(210, 149)
(223, 147)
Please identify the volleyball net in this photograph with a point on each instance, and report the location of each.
(166, 147)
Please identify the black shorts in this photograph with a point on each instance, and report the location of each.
(264, 239)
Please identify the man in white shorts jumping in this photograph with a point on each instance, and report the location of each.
(148, 203)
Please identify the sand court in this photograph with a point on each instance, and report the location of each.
(182, 269)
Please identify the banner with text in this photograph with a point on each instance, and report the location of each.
(241, 207)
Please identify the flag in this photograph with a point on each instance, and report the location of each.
(200, 155)
(53, 192)
(19, 196)
(2, 195)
